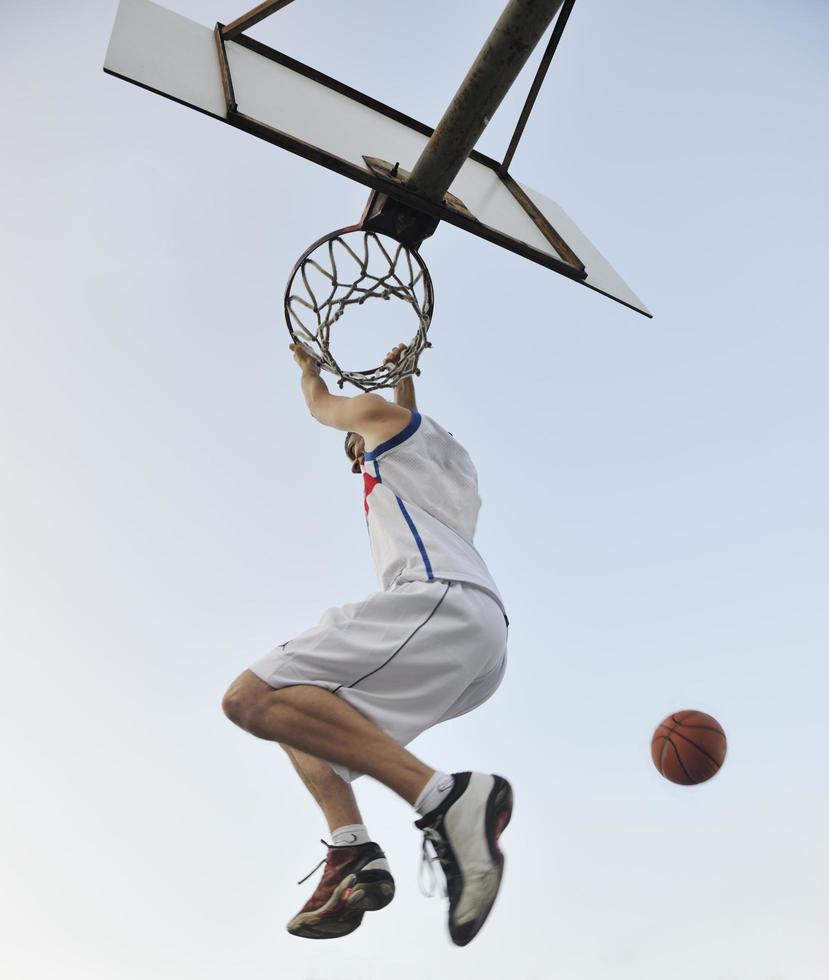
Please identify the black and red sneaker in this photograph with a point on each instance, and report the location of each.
(463, 832)
(355, 880)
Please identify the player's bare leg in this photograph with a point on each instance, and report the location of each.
(319, 723)
(332, 794)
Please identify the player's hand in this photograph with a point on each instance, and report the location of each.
(394, 354)
(304, 359)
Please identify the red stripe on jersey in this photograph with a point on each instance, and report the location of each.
(369, 483)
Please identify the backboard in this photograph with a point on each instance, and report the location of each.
(264, 92)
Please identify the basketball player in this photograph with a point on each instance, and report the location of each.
(370, 677)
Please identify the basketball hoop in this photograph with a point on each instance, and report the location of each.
(350, 267)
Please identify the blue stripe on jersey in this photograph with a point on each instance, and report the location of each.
(401, 436)
(417, 538)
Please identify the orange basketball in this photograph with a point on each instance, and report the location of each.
(688, 747)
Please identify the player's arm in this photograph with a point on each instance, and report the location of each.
(404, 392)
(361, 413)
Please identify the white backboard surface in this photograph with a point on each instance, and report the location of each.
(176, 57)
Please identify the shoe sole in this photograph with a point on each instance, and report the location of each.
(372, 895)
(343, 913)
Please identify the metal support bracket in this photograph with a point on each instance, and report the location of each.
(252, 17)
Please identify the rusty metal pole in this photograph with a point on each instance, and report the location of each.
(519, 29)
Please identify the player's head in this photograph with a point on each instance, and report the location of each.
(354, 448)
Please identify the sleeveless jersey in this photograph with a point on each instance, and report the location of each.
(422, 503)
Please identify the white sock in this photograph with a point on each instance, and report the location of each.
(434, 793)
(350, 835)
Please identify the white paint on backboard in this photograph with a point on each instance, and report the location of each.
(168, 53)
(177, 57)
(600, 274)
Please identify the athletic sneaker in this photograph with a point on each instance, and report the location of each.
(464, 832)
(355, 880)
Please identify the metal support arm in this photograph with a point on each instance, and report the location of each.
(519, 29)
(253, 17)
(535, 88)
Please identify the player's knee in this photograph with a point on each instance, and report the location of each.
(240, 705)
(234, 706)
(248, 704)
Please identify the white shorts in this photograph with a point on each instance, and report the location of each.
(407, 659)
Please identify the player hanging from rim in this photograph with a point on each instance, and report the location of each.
(370, 677)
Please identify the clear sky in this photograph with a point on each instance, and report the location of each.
(654, 503)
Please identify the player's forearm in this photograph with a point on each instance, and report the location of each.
(312, 388)
(404, 394)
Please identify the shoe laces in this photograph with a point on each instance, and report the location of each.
(316, 866)
(427, 862)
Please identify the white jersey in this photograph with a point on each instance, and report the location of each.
(422, 503)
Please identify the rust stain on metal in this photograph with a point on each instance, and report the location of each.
(224, 67)
(399, 175)
(547, 230)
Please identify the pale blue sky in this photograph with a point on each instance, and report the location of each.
(654, 503)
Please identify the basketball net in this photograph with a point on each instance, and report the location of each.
(355, 266)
